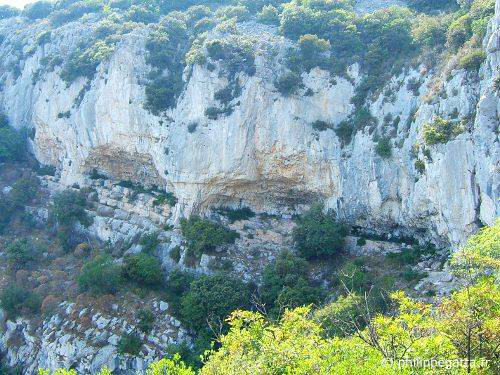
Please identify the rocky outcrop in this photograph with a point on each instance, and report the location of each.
(266, 154)
(86, 340)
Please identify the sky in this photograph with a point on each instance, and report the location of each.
(16, 3)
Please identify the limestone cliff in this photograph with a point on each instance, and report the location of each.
(274, 153)
(265, 154)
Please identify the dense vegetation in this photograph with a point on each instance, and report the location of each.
(12, 203)
(286, 284)
(12, 142)
(204, 236)
(459, 334)
(319, 234)
(68, 210)
(441, 131)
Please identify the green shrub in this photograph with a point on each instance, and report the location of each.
(149, 242)
(411, 256)
(321, 125)
(236, 214)
(312, 51)
(286, 284)
(175, 254)
(496, 83)
(319, 234)
(228, 93)
(413, 85)
(205, 24)
(459, 32)
(146, 320)
(46, 170)
(192, 127)
(472, 60)
(384, 148)
(233, 11)
(387, 36)
(340, 318)
(12, 144)
(20, 253)
(66, 114)
(120, 4)
(177, 286)
(100, 276)
(197, 13)
(40, 9)
(472, 21)
(4, 120)
(162, 93)
(15, 300)
(410, 275)
(204, 236)
(168, 198)
(142, 14)
(130, 343)
(420, 166)
(430, 5)
(361, 242)
(213, 113)
(269, 15)
(143, 269)
(235, 54)
(211, 299)
(345, 131)
(7, 11)
(84, 61)
(441, 131)
(74, 11)
(166, 46)
(354, 277)
(361, 118)
(8, 210)
(70, 207)
(44, 37)
(430, 32)
(24, 190)
(288, 83)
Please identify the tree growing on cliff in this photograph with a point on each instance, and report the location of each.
(286, 284)
(318, 233)
(203, 236)
(69, 208)
(12, 142)
(100, 276)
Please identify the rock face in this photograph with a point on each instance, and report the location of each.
(86, 340)
(266, 153)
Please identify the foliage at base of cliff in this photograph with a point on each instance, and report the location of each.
(459, 335)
